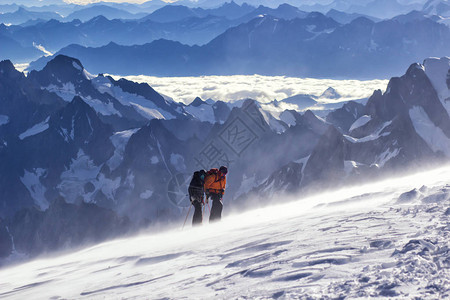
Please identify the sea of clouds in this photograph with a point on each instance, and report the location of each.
(262, 88)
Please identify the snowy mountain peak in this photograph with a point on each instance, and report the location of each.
(63, 69)
(62, 61)
(330, 93)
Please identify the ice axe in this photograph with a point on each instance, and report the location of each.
(186, 217)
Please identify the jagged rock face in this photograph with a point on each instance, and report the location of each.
(24, 103)
(412, 89)
(404, 127)
(74, 151)
(399, 104)
(74, 127)
(286, 180)
(395, 141)
(38, 159)
(326, 162)
(67, 77)
(152, 159)
(148, 92)
(209, 111)
(79, 124)
(344, 117)
(60, 70)
(221, 111)
(312, 122)
(122, 104)
(396, 146)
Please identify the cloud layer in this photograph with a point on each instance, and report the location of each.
(262, 88)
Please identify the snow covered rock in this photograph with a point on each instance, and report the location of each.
(78, 148)
(344, 117)
(215, 112)
(330, 93)
(408, 125)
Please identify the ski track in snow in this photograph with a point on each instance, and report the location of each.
(385, 239)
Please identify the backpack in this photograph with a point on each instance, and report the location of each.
(196, 186)
(212, 171)
(211, 176)
(212, 179)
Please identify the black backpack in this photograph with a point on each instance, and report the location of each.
(196, 185)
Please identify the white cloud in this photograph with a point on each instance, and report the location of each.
(262, 88)
(41, 48)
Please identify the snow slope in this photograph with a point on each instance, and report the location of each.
(387, 238)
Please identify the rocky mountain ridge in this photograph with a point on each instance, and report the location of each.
(129, 152)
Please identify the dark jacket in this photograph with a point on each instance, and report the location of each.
(196, 190)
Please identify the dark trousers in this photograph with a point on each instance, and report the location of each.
(198, 216)
(216, 209)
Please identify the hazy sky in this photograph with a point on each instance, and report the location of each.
(118, 1)
(44, 2)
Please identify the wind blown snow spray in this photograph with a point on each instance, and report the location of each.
(360, 241)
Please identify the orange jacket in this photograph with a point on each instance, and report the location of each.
(215, 183)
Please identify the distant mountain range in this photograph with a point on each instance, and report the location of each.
(99, 31)
(68, 139)
(22, 15)
(314, 46)
(377, 8)
(188, 26)
(15, 15)
(373, 8)
(99, 24)
(108, 12)
(174, 13)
